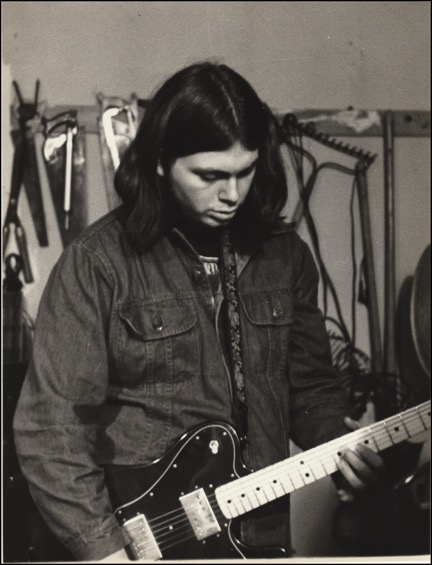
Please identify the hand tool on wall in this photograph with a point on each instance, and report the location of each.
(12, 220)
(29, 119)
(118, 123)
(64, 157)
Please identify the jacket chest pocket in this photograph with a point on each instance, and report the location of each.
(269, 316)
(156, 343)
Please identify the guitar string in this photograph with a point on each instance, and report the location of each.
(182, 517)
(289, 475)
(174, 538)
(179, 510)
(328, 457)
(218, 512)
(179, 541)
(164, 547)
(252, 479)
(288, 465)
(285, 467)
(179, 518)
(182, 526)
(233, 490)
(173, 535)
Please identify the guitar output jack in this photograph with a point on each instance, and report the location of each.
(214, 446)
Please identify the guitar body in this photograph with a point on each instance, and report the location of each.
(203, 459)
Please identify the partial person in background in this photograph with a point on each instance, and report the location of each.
(193, 301)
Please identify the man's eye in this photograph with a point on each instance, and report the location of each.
(247, 173)
(208, 177)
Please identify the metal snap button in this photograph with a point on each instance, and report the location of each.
(277, 312)
(157, 322)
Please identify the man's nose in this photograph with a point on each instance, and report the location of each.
(229, 192)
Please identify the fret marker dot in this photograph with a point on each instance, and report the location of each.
(366, 441)
(307, 474)
(243, 495)
(339, 453)
(301, 462)
(396, 429)
(258, 488)
(275, 481)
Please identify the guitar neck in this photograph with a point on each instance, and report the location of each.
(246, 493)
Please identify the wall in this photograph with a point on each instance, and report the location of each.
(298, 55)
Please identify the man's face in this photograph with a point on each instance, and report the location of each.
(209, 187)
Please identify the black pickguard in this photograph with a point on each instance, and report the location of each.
(206, 457)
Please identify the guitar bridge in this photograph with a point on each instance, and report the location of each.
(143, 544)
(200, 514)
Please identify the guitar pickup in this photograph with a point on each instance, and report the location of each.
(200, 514)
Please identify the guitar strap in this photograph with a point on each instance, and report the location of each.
(233, 332)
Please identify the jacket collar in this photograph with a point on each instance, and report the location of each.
(242, 254)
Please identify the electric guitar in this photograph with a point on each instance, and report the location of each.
(183, 505)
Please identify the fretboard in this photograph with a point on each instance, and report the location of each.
(246, 493)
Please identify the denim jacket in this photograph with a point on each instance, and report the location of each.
(127, 356)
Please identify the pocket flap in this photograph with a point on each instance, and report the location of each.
(269, 307)
(159, 319)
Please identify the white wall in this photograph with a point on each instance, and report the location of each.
(298, 55)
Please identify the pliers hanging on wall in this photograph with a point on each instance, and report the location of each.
(29, 121)
(25, 171)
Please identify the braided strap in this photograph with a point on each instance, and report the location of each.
(230, 290)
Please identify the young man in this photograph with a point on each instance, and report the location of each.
(191, 302)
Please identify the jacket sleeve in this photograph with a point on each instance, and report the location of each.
(318, 402)
(66, 382)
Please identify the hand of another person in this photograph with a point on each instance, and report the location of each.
(360, 467)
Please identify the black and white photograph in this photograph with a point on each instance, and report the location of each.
(216, 280)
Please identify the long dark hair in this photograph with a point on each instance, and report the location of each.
(203, 107)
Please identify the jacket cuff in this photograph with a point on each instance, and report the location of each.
(91, 550)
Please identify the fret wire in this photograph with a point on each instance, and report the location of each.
(418, 411)
(373, 437)
(404, 425)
